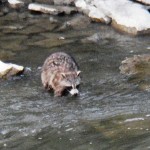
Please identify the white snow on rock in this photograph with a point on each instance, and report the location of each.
(6, 68)
(123, 12)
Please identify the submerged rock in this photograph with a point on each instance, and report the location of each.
(79, 22)
(9, 69)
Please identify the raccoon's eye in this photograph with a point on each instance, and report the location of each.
(77, 86)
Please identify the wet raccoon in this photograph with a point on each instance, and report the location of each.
(59, 73)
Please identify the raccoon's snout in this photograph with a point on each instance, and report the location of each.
(74, 92)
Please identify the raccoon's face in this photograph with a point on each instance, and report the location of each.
(71, 80)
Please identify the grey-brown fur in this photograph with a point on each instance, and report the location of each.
(59, 72)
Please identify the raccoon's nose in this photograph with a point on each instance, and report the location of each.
(74, 92)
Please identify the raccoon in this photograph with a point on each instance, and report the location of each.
(59, 73)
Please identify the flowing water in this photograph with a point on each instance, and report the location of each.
(111, 112)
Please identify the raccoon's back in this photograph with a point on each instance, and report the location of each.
(59, 61)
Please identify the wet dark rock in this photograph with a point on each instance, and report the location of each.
(13, 16)
(79, 22)
(67, 9)
(3, 1)
(64, 2)
(3, 10)
(49, 2)
(146, 2)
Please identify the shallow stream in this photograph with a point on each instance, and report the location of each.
(111, 112)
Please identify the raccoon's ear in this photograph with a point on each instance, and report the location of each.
(78, 73)
(63, 75)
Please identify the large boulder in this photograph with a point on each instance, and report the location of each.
(124, 15)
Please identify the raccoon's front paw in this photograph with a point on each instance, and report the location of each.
(58, 93)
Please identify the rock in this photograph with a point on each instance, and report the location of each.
(147, 2)
(3, 1)
(51, 9)
(49, 2)
(138, 64)
(90, 9)
(8, 69)
(67, 9)
(16, 3)
(79, 22)
(137, 68)
(94, 39)
(97, 38)
(4, 10)
(130, 30)
(64, 2)
(126, 16)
